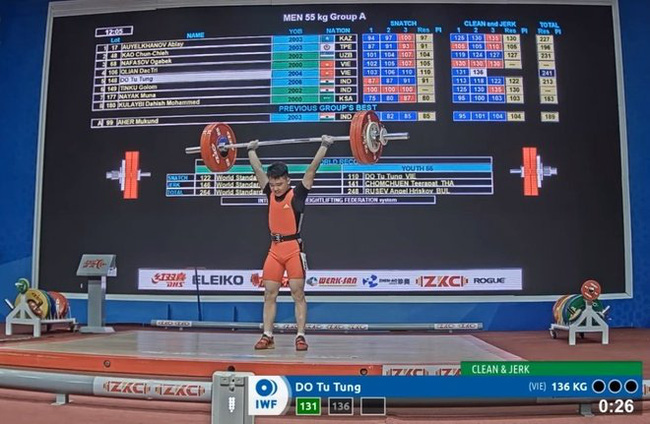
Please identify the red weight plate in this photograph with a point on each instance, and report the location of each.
(530, 171)
(213, 136)
(131, 166)
(61, 303)
(590, 290)
(354, 125)
(560, 308)
(357, 137)
(556, 307)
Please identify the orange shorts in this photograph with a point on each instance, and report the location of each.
(288, 256)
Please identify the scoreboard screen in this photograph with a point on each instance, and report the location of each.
(512, 182)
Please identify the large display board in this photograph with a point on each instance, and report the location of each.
(512, 181)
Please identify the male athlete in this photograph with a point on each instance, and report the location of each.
(286, 206)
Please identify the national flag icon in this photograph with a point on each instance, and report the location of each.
(327, 48)
(326, 73)
(327, 81)
(327, 116)
(327, 51)
(327, 89)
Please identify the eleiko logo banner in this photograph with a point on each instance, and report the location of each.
(336, 280)
(188, 279)
(268, 395)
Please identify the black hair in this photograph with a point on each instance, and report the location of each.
(277, 170)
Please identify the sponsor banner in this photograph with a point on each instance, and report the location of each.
(412, 370)
(336, 280)
(323, 327)
(268, 395)
(172, 323)
(333, 280)
(187, 279)
(458, 326)
(192, 391)
(471, 280)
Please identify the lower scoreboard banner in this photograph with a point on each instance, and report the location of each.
(418, 281)
(587, 381)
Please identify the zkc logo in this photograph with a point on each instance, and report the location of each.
(180, 390)
(441, 281)
(411, 372)
(126, 387)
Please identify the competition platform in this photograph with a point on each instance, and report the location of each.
(199, 354)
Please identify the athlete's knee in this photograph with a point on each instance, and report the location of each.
(271, 293)
(298, 294)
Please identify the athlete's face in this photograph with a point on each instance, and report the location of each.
(279, 186)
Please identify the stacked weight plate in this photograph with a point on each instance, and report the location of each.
(45, 305)
(568, 308)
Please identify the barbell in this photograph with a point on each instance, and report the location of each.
(368, 136)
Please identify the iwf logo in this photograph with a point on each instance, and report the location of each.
(267, 395)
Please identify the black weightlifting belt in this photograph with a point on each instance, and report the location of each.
(278, 238)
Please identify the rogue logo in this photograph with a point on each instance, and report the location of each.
(219, 280)
(441, 281)
(172, 279)
(490, 280)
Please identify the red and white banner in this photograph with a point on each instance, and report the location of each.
(420, 281)
(192, 391)
(420, 370)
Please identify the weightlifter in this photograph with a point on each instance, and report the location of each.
(286, 207)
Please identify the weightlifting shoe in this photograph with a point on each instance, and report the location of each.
(301, 343)
(265, 342)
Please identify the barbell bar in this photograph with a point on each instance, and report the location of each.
(367, 138)
(387, 137)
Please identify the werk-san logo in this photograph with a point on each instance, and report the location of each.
(267, 395)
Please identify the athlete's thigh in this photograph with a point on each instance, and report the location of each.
(295, 266)
(273, 269)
